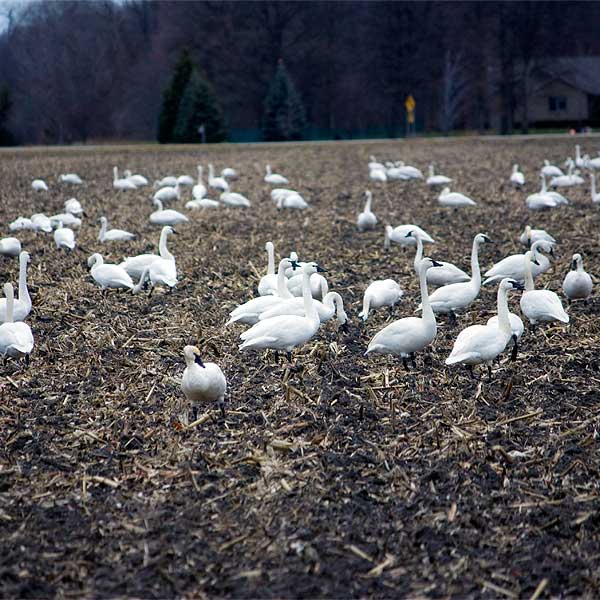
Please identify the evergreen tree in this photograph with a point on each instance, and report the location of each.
(199, 107)
(284, 115)
(172, 97)
(6, 137)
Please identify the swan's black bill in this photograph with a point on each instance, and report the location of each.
(436, 264)
(198, 361)
(295, 264)
(321, 270)
(574, 265)
(487, 239)
(517, 285)
(535, 262)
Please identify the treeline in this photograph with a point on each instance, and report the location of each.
(73, 71)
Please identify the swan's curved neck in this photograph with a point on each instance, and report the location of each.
(282, 289)
(158, 203)
(271, 261)
(140, 283)
(309, 306)
(428, 315)
(366, 305)
(475, 271)
(528, 275)
(368, 203)
(23, 291)
(162, 246)
(503, 318)
(418, 255)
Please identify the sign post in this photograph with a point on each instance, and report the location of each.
(410, 105)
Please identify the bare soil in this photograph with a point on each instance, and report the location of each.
(342, 476)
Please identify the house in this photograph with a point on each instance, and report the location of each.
(563, 92)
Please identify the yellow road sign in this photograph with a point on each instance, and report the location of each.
(410, 103)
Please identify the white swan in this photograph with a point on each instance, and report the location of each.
(374, 163)
(137, 180)
(233, 199)
(318, 285)
(572, 178)
(398, 235)
(71, 178)
(21, 223)
(483, 343)
(454, 199)
(73, 206)
(202, 203)
(402, 172)
(549, 170)
(162, 271)
(167, 181)
(199, 190)
(277, 193)
(10, 246)
(554, 195)
(406, 336)
(268, 283)
(168, 193)
(250, 311)
(202, 382)
(331, 305)
(185, 180)
(108, 275)
(382, 292)
(217, 183)
(64, 237)
(16, 339)
(455, 297)
(516, 177)
(539, 305)
(294, 200)
(113, 235)
(530, 236)
(274, 178)
(39, 185)
(22, 306)
(366, 219)
(286, 332)
(577, 283)
(122, 184)
(444, 275)
(166, 216)
(229, 173)
(378, 174)
(434, 179)
(512, 266)
(66, 219)
(135, 265)
(595, 195)
(41, 222)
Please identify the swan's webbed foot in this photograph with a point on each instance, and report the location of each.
(515, 350)
(27, 360)
(452, 320)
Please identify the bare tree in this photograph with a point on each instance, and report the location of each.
(453, 88)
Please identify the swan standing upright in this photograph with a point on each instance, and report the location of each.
(366, 219)
(22, 306)
(577, 283)
(217, 183)
(406, 336)
(122, 184)
(202, 382)
(483, 343)
(199, 190)
(16, 339)
(135, 265)
(286, 332)
(516, 177)
(595, 195)
(161, 271)
(539, 305)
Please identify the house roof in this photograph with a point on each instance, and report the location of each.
(581, 72)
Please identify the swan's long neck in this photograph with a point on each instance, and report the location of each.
(366, 305)
(475, 271)
(271, 262)
(200, 175)
(23, 291)
(503, 318)
(102, 230)
(368, 203)
(282, 289)
(593, 176)
(428, 315)
(268, 169)
(336, 300)
(158, 203)
(418, 255)
(544, 188)
(211, 172)
(386, 240)
(140, 283)
(528, 275)
(577, 153)
(10, 303)
(309, 306)
(431, 171)
(162, 246)
(115, 174)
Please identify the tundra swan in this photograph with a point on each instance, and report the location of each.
(16, 339)
(113, 235)
(22, 306)
(366, 219)
(382, 292)
(108, 275)
(577, 283)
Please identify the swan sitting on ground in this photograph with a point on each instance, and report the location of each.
(483, 343)
(217, 183)
(331, 305)
(229, 173)
(122, 184)
(199, 190)
(366, 219)
(167, 216)
(185, 180)
(39, 185)
(516, 177)
(135, 265)
(41, 222)
(113, 235)
(137, 180)
(444, 275)
(71, 178)
(64, 237)
(16, 339)
(512, 266)
(549, 170)
(294, 200)
(274, 178)
(454, 199)
(250, 311)
(10, 246)
(286, 332)
(202, 203)
(455, 297)
(168, 193)
(73, 206)
(233, 199)
(434, 179)
(577, 283)
(66, 219)
(530, 236)
(108, 275)
(398, 235)
(406, 336)
(167, 181)
(202, 382)
(539, 305)
(22, 306)
(20, 224)
(382, 292)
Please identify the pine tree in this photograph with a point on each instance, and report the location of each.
(199, 107)
(284, 115)
(6, 137)
(172, 97)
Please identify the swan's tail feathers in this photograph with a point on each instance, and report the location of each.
(492, 279)
(258, 342)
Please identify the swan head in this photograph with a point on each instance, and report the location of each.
(530, 256)
(310, 267)
(103, 220)
(368, 194)
(511, 284)
(269, 247)
(482, 238)
(575, 263)
(428, 263)
(192, 355)
(543, 246)
(94, 258)
(25, 258)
